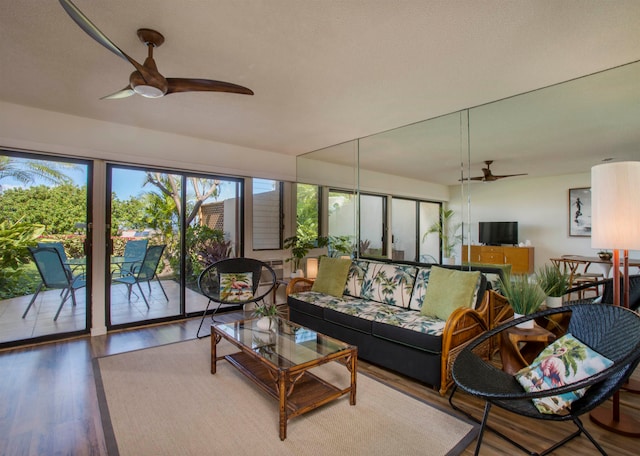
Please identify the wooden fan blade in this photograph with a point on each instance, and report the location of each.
(124, 93)
(90, 29)
(509, 175)
(204, 85)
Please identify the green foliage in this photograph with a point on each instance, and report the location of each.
(447, 232)
(14, 240)
(524, 295)
(300, 247)
(27, 170)
(58, 208)
(307, 211)
(552, 280)
(340, 245)
(205, 246)
(129, 214)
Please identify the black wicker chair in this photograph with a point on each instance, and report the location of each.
(610, 330)
(209, 283)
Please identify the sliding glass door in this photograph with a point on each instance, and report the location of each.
(44, 204)
(154, 261)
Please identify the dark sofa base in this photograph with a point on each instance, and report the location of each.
(420, 364)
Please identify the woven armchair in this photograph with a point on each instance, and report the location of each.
(612, 331)
(209, 283)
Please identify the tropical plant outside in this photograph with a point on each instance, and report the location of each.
(14, 240)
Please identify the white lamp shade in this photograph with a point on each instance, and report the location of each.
(312, 268)
(615, 206)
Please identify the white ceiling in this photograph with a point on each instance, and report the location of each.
(323, 72)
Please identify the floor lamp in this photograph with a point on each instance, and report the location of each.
(615, 224)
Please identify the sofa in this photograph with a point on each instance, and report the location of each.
(379, 309)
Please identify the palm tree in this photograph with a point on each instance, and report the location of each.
(27, 170)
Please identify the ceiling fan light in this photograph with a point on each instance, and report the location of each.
(148, 91)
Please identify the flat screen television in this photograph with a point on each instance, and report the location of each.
(498, 233)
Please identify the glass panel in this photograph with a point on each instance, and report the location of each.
(213, 230)
(372, 224)
(429, 213)
(342, 214)
(145, 218)
(267, 214)
(307, 211)
(403, 229)
(286, 345)
(43, 202)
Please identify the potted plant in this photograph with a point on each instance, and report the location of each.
(447, 232)
(554, 282)
(524, 296)
(299, 249)
(266, 314)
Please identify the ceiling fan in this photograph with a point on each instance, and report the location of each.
(146, 80)
(488, 176)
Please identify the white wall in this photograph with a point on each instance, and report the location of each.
(33, 129)
(541, 208)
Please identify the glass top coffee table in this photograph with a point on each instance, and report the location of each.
(278, 360)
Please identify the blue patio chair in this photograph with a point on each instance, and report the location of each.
(56, 275)
(134, 252)
(144, 272)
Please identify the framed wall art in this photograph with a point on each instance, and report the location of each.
(580, 211)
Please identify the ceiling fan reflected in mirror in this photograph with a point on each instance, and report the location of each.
(146, 80)
(488, 176)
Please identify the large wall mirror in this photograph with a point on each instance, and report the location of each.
(553, 136)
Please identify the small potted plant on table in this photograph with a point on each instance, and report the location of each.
(524, 296)
(554, 282)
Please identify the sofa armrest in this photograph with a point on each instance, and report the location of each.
(299, 284)
(462, 327)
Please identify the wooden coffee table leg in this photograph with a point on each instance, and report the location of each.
(353, 367)
(214, 357)
(282, 390)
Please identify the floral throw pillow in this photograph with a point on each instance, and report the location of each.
(565, 361)
(236, 286)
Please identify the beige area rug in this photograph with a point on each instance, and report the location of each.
(164, 401)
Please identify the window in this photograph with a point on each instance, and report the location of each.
(307, 211)
(267, 214)
(404, 229)
(373, 225)
(342, 213)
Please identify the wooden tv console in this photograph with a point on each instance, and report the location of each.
(520, 258)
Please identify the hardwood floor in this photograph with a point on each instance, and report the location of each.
(49, 403)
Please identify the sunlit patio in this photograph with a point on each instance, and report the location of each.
(39, 320)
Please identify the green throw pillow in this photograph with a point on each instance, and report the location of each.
(332, 276)
(449, 289)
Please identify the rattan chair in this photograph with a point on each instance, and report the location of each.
(612, 331)
(263, 282)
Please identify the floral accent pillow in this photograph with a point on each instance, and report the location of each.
(565, 361)
(236, 286)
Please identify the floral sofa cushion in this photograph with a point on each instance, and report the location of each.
(355, 278)
(389, 284)
(375, 311)
(419, 288)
